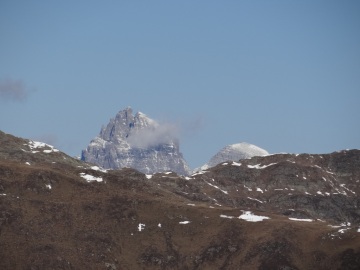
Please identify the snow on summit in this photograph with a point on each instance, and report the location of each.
(234, 152)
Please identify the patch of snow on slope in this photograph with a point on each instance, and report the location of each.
(255, 200)
(36, 145)
(148, 176)
(343, 230)
(258, 166)
(248, 216)
(141, 227)
(224, 191)
(90, 178)
(301, 219)
(198, 173)
(249, 189)
(184, 222)
(97, 168)
(236, 164)
(225, 216)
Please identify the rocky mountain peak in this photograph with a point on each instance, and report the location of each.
(136, 141)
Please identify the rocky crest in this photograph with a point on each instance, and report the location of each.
(136, 142)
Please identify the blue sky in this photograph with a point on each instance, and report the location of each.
(283, 75)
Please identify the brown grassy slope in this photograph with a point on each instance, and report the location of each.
(80, 225)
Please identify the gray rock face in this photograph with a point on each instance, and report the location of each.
(234, 152)
(136, 142)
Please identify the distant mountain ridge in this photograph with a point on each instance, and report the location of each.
(234, 152)
(138, 142)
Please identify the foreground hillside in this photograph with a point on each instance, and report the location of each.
(274, 212)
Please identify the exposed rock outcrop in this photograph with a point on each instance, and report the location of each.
(138, 142)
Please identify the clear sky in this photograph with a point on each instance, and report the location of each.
(283, 75)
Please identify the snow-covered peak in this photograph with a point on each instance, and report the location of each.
(234, 152)
(246, 149)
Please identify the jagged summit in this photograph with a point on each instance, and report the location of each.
(234, 152)
(138, 142)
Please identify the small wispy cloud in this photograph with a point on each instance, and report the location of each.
(165, 132)
(13, 90)
(152, 136)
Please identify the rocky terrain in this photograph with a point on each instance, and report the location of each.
(273, 212)
(136, 141)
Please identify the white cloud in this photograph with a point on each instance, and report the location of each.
(152, 136)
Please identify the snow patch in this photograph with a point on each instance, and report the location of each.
(148, 176)
(334, 226)
(48, 186)
(198, 173)
(343, 230)
(260, 190)
(248, 216)
(90, 178)
(27, 163)
(302, 219)
(141, 227)
(249, 189)
(36, 145)
(258, 166)
(97, 168)
(159, 225)
(236, 164)
(224, 191)
(255, 200)
(184, 222)
(225, 216)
